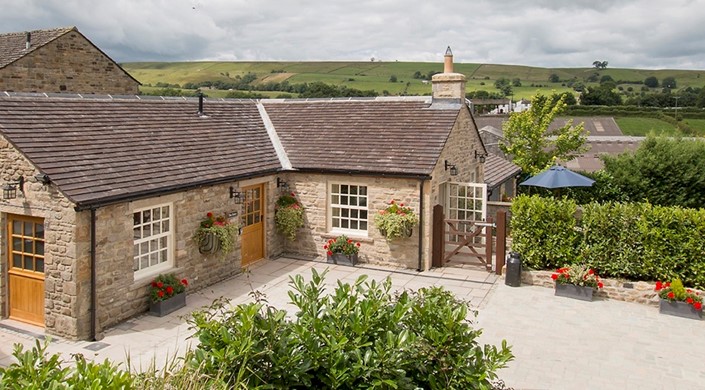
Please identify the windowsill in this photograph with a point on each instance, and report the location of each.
(351, 236)
(147, 278)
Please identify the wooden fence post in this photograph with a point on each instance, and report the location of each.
(488, 244)
(437, 243)
(501, 241)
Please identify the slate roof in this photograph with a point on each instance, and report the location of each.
(498, 170)
(105, 150)
(384, 137)
(13, 45)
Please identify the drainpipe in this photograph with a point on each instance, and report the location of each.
(93, 278)
(421, 225)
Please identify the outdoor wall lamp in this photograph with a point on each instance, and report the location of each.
(452, 167)
(236, 195)
(9, 190)
(480, 156)
(281, 183)
(42, 178)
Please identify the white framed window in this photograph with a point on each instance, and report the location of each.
(348, 208)
(153, 229)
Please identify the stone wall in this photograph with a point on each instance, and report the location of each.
(69, 64)
(61, 284)
(617, 289)
(312, 192)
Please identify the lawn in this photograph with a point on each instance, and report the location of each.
(645, 126)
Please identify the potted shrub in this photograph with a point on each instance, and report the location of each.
(167, 294)
(677, 300)
(215, 233)
(289, 215)
(342, 250)
(578, 281)
(396, 221)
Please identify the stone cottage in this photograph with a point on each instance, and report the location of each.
(59, 61)
(101, 194)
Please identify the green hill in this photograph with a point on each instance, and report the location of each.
(377, 75)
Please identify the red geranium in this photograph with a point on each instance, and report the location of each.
(166, 286)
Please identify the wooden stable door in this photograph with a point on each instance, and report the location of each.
(26, 269)
(253, 224)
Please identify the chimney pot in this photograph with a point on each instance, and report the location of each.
(28, 41)
(448, 61)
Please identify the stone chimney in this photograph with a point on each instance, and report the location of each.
(448, 85)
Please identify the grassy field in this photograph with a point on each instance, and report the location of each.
(376, 75)
(644, 126)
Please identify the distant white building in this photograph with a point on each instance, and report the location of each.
(521, 105)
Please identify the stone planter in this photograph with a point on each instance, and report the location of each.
(679, 309)
(210, 243)
(583, 293)
(167, 306)
(343, 259)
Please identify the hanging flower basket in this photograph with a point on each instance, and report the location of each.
(289, 215)
(396, 221)
(210, 243)
(215, 233)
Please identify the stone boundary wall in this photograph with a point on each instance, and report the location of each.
(617, 289)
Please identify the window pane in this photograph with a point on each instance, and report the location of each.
(362, 190)
(156, 228)
(16, 244)
(28, 229)
(335, 199)
(344, 200)
(353, 190)
(146, 216)
(144, 248)
(135, 250)
(136, 219)
(28, 247)
(336, 222)
(353, 224)
(363, 214)
(16, 227)
(40, 265)
(345, 213)
(29, 263)
(146, 231)
(39, 230)
(165, 212)
(335, 189)
(154, 258)
(354, 214)
(156, 214)
(344, 223)
(353, 201)
(336, 212)
(144, 261)
(362, 202)
(16, 260)
(39, 248)
(165, 226)
(137, 233)
(344, 189)
(363, 225)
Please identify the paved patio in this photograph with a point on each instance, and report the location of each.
(559, 343)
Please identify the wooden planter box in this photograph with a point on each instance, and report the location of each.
(679, 309)
(341, 258)
(167, 306)
(583, 293)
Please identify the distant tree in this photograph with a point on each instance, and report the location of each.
(417, 75)
(600, 64)
(554, 78)
(578, 86)
(503, 85)
(606, 78)
(651, 82)
(568, 98)
(431, 73)
(600, 96)
(669, 82)
(530, 144)
(700, 102)
(393, 78)
(592, 78)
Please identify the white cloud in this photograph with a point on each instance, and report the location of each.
(550, 33)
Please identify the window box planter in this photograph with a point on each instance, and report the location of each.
(343, 259)
(167, 306)
(583, 293)
(679, 309)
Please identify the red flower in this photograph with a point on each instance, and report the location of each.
(169, 290)
(401, 204)
(600, 285)
(160, 284)
(154, 284)
(184, 282)
(293, 194)
(697, 306)
(590, 272)
(554, 276)
(392, 202)
(209, 215)
(325, 246)
(659, 286)
(358, 244)
(689, 300)
(671, 295)
(160, 293)
(349, 241)
(330, 253)
(668, 284)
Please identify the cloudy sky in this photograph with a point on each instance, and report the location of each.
(651, 34)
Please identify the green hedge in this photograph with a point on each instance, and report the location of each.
(635, 241)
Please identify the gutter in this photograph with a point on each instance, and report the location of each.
(421, 225)
(93, 278)
(420, 176)
(82, 206)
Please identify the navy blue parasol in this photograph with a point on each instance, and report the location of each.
(558, 177)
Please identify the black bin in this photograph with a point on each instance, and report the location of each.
(512, 275)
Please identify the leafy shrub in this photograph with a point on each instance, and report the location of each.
(360, 336)
(35, 369)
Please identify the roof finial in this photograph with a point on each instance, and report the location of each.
(448, 61)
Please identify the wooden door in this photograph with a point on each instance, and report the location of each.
(26, 269)
(252, 224)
